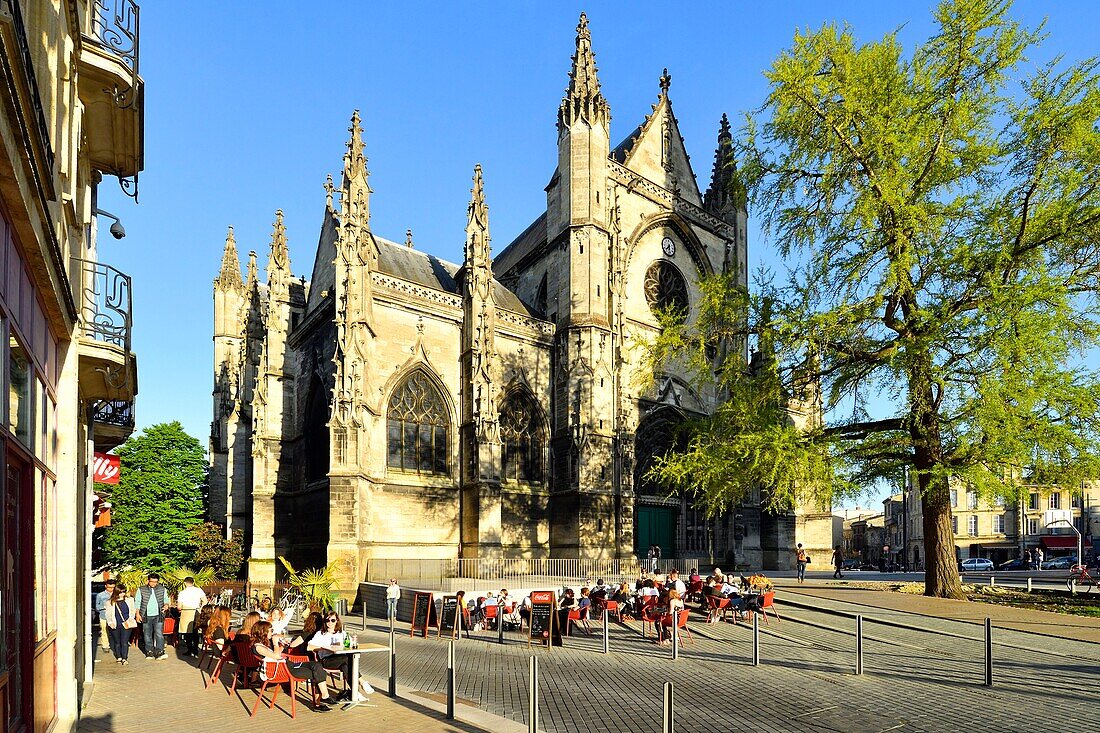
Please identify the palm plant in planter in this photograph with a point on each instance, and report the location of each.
(174, 578)
(315, 584)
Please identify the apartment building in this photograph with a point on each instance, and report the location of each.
(71, 114)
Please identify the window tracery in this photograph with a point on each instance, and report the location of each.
(521, 437)
(665, 287)
(417, 427)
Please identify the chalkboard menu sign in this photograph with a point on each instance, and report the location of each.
(423, 613)
(541, 627)
(448, 617)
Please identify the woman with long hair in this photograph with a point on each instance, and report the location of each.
(266, 648)
(121, 619)
(250, 620)
(321, 631)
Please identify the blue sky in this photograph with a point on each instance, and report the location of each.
(247, 107)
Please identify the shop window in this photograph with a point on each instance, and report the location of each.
(20, 401)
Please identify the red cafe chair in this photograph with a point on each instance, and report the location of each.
(247, 663)
(681, 623)
(277, 673)
(170, 635)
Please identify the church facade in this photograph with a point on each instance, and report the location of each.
(399, 406)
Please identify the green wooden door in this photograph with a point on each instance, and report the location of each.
(656, 526)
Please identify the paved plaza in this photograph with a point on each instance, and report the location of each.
(923, 659)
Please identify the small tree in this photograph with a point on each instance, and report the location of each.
(212, 549)
(158, 499)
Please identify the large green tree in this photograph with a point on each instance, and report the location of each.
(158, 499)
(940, 213)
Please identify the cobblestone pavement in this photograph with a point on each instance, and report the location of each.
(169, 696)
(914, 680)
(1081, 628)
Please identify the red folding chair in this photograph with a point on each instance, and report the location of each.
(612, 607)
(492, 617)
(277, 673)
(226, 655)
(767, 601)
(717, 607)
(681, 623)
(578, 616)
(695, 591)
(170, 635)
(247, 663)
(648, 613)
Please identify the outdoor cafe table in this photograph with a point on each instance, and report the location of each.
(356, 697)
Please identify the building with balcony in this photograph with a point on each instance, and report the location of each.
(71, 112)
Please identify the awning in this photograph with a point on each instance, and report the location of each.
(1058, 541)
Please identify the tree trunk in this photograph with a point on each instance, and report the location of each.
(941, 575)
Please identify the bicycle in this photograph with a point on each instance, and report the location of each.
(292, 600)
(1079, 579)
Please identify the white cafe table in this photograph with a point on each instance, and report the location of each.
(356, 697)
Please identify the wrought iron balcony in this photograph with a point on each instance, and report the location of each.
(117, 413)
(112, 90)
(115, 26)
(108, 368)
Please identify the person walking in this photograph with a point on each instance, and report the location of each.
(656, 558)
(119, 616)
(393, 595)
(801, 560)
(838, 562)
(190, 601)
(152, 604)
(101, 600)
(649, 559)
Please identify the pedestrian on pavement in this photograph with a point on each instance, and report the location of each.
(101, 600)
(393, 595)
(801, 560)
(152, 603)
(1038, 555)
(649, 560)
(656, 557)
(1027, 559)
(121, 618)
(838, 562)
(190, 601)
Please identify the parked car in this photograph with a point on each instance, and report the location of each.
(1017, 564)
(977, 563)
(1059, 563)
(851, 566)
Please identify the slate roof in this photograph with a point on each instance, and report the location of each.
(529, 238)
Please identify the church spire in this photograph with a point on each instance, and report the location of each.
(477, 224)
(278, 263)
(252, 278)
(354, 189)
(583, 100)
(230, 274)
(724, 188)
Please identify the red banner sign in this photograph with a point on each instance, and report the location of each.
(105, 468)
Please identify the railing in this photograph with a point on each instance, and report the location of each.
(105, 304)
(12, 7)
(452, 573)
(116, 28)
(119, 413)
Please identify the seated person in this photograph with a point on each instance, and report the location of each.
(250, 620)
(279, 619)
(649, 588)
(625, 600)
(267, 649)
(585, 600)
(676, 584)
(568, 600)
(525, 608)
(694, 577)
(675, 605)
(320, 632)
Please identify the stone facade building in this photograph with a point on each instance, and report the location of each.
(399, 406)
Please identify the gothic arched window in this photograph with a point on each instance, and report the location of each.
(665, 287)
(521, 438)
(417, 425)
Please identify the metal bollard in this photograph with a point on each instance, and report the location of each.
(364, 613)
(533, 696)
(606, 639)
(992, 581)
(859, 644)
(988, 652)
(755, 639)
(675, 638)
(451, 680)
(1073, 586)
(669, 720)
(500, 624)
(393, 662)
(1029, 584)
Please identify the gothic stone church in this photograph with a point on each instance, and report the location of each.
(400, 406)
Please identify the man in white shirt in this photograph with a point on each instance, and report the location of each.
(190, 601)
